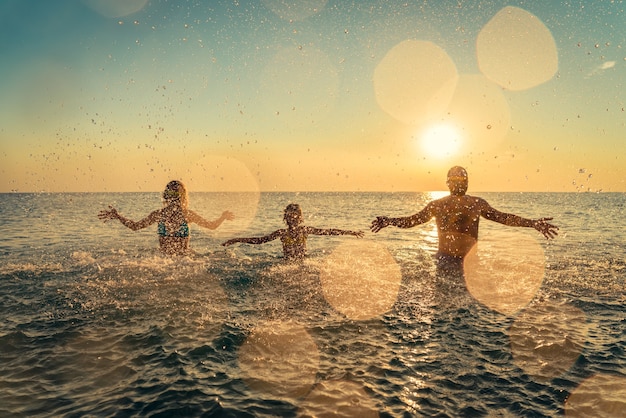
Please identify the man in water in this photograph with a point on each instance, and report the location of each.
(457, 217)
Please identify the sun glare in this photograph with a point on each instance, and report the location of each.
(440, 141)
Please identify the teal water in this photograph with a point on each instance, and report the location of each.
(95, 322)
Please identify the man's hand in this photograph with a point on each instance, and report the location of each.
(106, 215)
(548, 230)
(379, 223)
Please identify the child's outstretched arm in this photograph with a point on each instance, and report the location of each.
(255, 240)
(333, 231)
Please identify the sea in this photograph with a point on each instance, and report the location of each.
(96, 322)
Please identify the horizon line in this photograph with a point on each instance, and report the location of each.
(309, 191)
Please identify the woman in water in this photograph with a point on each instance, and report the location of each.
(173, 220)
(294, 236)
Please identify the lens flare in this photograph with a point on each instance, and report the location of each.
(547, 339)
(480, 112)
(361, 280)
(506, 275)
(231, 185)
(338, 398)
(280, 359)
(602, 395)
(440, 141)
(415, 81)
(116, 8)
(516, 50)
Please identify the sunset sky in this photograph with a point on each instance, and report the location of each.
(312, 95)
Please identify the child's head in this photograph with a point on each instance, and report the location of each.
(293, 214)
(175, 191)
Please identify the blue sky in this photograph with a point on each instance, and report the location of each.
(281, 95)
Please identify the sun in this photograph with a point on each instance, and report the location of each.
(440, 141)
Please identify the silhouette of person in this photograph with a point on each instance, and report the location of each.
(173, 220)
(457, 217)
(294, 236)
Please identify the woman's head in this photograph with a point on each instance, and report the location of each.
(175, 192)
(293, 214)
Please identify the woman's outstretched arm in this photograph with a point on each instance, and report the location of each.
(197, 219)
(112, 213)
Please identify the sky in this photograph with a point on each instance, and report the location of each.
(312, 95)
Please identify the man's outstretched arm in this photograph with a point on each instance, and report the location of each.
(403, 222)
(547, 229)
(542, 225)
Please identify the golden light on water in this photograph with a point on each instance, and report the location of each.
(279, 359)
(437, 194)
(602, 395)
(516, 50)
(361, 279)
(338, 398)
(547, 339)
(506, 275)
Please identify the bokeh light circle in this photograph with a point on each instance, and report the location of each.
(602, 395)
(479, 112)
(516, 50)
(279, 359)
(338, 398)
(506, 275)
(547, 338)
(116, 8)
(217, 173)
(415, 81)
(360, 279)
(231, 185)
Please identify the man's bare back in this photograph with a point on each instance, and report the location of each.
(458, 216)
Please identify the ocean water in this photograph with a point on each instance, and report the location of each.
(95, 322)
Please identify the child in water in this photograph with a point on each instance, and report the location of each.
(294, 236)
(173, 220)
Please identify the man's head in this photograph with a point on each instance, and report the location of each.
(457, 181)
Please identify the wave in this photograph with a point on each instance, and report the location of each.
(108, 332)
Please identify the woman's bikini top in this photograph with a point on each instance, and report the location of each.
(182, 232)
(299, 239)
